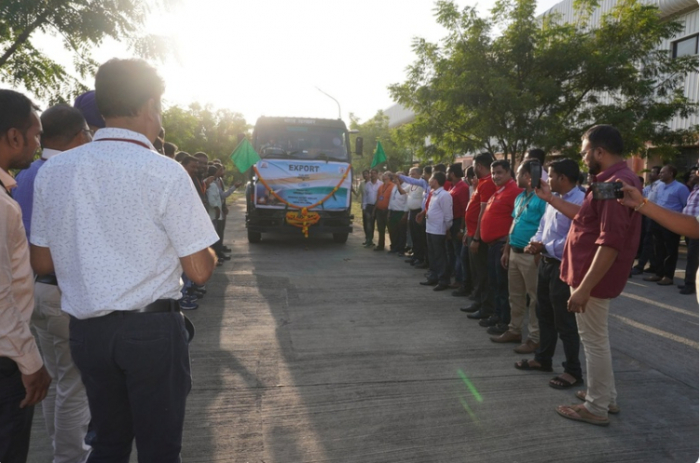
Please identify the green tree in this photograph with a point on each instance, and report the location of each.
(81, 26)
(204, 128)
(541, 81)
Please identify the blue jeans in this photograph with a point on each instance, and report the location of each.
(136, 371)
(498, 282)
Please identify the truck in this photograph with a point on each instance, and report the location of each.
(303, 180)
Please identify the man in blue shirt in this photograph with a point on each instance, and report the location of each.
(66, 411)
(672, 195)
(522, 268)
(646, 246)
(552, 293)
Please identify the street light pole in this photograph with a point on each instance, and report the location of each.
(336, 102)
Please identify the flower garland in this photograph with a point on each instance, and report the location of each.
(302, 218)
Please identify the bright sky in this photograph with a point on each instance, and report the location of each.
(267, 57)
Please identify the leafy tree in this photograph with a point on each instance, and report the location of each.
(541, 81)
(81, 25)
(203, 128)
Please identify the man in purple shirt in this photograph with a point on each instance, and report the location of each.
(670, 194)
(66, 412)
(552, 293)
(599, 251)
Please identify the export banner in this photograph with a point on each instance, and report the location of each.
(303, 183)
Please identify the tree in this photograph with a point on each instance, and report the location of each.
(81, 25)
(203, 128)
(542, 82)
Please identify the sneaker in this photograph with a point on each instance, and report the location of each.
(188, 303)
(200, 288)
(195, 293)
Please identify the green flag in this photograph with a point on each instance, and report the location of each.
(379, 155)
(244, 156)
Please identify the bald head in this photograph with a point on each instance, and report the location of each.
(64, 128)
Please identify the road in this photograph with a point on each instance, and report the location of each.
(310, 351)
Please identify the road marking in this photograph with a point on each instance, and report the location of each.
(663, 334)
(636, 284)
(659, 304)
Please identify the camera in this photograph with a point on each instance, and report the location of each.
(607, 190)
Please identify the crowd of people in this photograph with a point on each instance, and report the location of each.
(534, 245)
(96, 238)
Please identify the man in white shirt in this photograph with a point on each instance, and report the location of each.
(397, 216)
(369, 200)
(118, 223)
(414, 204)
(65, 408)
(438, 220)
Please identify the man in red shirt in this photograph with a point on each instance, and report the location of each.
(460, 199)
(474, 251)
(600, 248)
(495, 226)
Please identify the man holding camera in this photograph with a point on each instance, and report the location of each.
(598, 253)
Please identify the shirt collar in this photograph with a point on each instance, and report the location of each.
(48, 153)
(7, 180)
(438, 190)
(570, 193)
(114, 132)
(610, 171)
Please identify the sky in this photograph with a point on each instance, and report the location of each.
(270, 57)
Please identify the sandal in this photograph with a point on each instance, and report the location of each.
(578, 412)
(559, 382)
(613, 409)
(524, 364)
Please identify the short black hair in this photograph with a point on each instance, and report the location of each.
(181, 155)
(606, 137)
(568, 168)
(457, 170)
(674, 171)
(186, 159)
(201, 154)
(375, 171)
(123, 86)
(526, 166)
(440, 167)
(483, 159)
(656, 168)
(212, 170)
(366, 171)
(501, 163)
(470, 172)
(15, 111)
(169, 149)
(60, 124)
(440, 177)
(428, 170)
(536, 153)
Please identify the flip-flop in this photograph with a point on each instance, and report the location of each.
(612, 408)
(580, 413)
(560, 383)
(524, 364)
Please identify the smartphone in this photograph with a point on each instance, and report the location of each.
(535, 174)
(607, 190)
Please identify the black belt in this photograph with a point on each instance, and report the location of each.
(47, 279)
(550, 260)
(161, 305)
(517, 250)
(494, 243)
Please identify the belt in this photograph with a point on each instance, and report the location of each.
(161, 305)
(550, 260)
(517, 250)
(494, 243)
(47, 279)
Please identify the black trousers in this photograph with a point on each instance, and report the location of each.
(478, 267)
(646, 247)
(136, 371)
(666, 250)
(15, 422)
(417, 235)
(498, 282)
(437, 259)
(368, 221)
(691, 266)
(219, 245)
(555, 319)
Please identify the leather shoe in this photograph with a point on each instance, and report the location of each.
(441, 287)
(461, 292)
(491, 321)
(652, 278)
(528, 347)
(428, 283)
(665, 281)
(687, 290)
(478, 315)
(471, 309)
(508, 336)
(498, 328)
(636, 271)
(421, 265)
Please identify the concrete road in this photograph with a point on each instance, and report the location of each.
(310, 351)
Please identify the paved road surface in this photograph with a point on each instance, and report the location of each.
(310, 351)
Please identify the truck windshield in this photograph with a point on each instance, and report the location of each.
(302, 142)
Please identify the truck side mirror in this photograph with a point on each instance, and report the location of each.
(358, 146)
